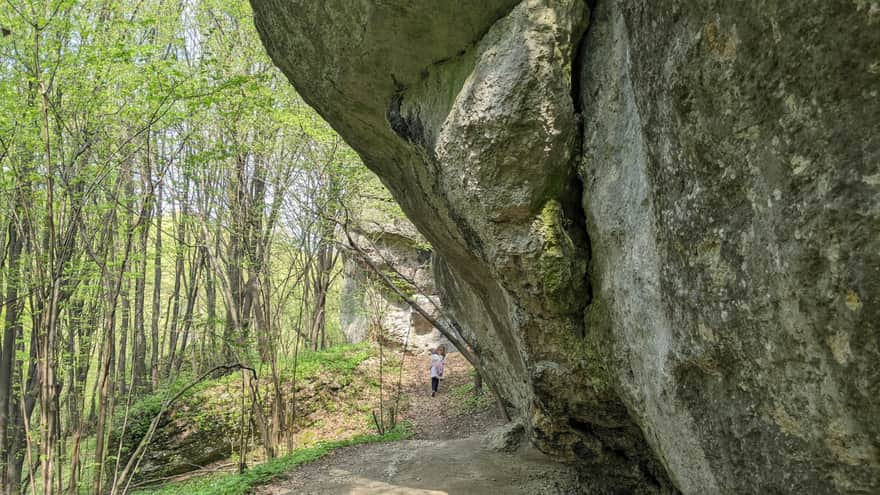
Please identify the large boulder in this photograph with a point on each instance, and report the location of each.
(659, 233)
(731, 172)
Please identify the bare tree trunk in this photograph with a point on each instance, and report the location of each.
(234, 332)
(191, 295)
(478, 383)
(15, 455)
(211, 308)
(11, 329)
(242, 451)
(49, 291)
(80, 332)
(124, 328)
(175, 309)
(139, 344)
(105, 391)
(321, 282)
(157, 292)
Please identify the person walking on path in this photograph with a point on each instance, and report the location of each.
(438, 362)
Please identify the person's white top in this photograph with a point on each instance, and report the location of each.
(437, 364)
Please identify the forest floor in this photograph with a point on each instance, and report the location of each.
(447, 454)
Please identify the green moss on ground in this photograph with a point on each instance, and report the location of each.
(467, 402)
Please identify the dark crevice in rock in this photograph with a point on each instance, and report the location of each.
(631, 467)
(572, 195)
(576, 226)
(616, 446)
(471, 237)
(407, 126)
(577, 67)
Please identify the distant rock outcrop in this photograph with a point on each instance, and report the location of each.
(658, 223)
(394, 246)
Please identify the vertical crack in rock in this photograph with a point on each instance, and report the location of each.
(600, 430)
(729, 169)
(573, 203)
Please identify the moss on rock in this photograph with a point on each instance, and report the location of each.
(561, 264)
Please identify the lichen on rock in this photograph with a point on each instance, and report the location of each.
(661, 245)
(562, 264)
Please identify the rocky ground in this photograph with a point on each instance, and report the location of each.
(449, 453)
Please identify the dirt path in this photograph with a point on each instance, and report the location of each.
(423, 467)
(454, 412)
(449, 453)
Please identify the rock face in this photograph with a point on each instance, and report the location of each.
(505, 438)
(395, 247)
(660, 233)
(199, 431)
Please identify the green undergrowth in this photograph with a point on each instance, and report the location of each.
(237, 484)
(211, 411)
(466, 401)
(342, 359)
(142, 411)
(338, 361)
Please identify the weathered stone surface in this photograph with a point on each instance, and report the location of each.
(717, 331)
(731, 161)
(506, 438)
(180, 447)
(200, 430)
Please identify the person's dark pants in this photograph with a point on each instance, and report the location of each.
(435, 382)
